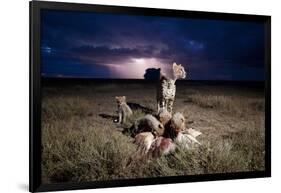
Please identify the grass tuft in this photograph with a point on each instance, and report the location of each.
(79, 145)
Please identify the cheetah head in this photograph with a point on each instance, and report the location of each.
(179, 72)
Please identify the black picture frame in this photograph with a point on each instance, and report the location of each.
(35, 96)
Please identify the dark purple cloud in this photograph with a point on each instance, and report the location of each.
(116, 46)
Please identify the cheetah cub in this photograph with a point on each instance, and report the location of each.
(147, 123)
(124, 111)
(164, 116)
(175, 126)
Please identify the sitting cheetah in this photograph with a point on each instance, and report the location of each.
(124, 111)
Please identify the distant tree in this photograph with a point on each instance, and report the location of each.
(152, 74)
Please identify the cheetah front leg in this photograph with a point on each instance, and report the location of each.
(119, 118)
(170, 105)
(158, 106)
(123, 118)
(163, 104)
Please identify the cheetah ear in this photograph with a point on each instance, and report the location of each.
(174, 65)
(116, 97)
(124, 97)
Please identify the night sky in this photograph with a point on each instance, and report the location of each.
(99, 45)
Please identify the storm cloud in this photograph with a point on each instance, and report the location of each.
(99, 45)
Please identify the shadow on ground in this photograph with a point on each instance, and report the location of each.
(136, 106)
(107, 116)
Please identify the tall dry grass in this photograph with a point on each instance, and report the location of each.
(232, 104)
(78, 145)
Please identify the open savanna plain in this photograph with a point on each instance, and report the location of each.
(81, 141)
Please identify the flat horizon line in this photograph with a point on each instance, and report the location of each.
(139, 79)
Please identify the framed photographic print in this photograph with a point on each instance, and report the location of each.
(125, 96)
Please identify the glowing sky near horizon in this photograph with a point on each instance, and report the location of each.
(99, 45)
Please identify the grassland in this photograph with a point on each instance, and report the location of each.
(81, 142)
